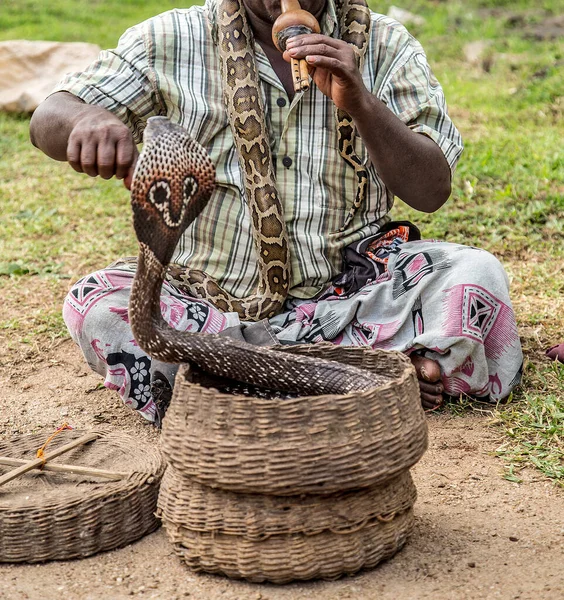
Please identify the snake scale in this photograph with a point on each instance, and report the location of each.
(245, 110)
(173, 181)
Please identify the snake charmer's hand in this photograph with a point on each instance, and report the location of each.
(100, 144)
(394, 149)
(333, 67)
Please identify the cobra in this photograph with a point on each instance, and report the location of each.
(245, 109)
(172, 183)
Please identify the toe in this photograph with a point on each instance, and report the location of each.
(432, 389)
(427, 369)
(430, 401)
(556, 352)
(430, 385)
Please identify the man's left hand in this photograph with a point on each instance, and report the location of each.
(332, 66)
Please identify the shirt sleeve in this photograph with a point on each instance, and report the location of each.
(413, 93)
(120, 80)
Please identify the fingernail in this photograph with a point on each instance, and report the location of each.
(292, 51)
(310, 59)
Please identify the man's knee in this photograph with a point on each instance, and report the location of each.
(89, 295)
(482, 268)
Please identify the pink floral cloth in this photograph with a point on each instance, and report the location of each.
(447, 301)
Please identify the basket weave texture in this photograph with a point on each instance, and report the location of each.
(288, 554)
(46, 515)
(305, 445)
(293, 489)
(257, 517)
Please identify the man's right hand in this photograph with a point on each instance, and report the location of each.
(100, 144)
(90, 138)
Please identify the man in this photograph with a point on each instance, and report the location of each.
(445, 305)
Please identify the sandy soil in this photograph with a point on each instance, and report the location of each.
(477, 536)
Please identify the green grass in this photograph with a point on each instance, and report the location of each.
(508, 189)
(54, 213)
(535, 426)
(96, 21)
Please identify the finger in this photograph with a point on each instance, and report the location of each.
(313, 39)
(129, 177)
(126, 156)
(106, 159)
(334, 65)
(73, 154)
(88, 153)
(317, 50)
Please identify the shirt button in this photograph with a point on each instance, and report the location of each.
(281, 102)
(287, 162)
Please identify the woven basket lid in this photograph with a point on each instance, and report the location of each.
(310, 444)
(270, 538)
(49, 515)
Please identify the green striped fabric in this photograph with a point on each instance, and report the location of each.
(169, 66)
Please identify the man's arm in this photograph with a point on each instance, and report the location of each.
(411, 165)
(90, 138)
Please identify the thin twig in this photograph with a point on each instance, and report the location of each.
(60, 468)
(37, 462)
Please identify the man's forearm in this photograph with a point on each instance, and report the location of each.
(53, 122)
(411, 165)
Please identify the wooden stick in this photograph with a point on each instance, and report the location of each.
(59, 468)
(37, 462)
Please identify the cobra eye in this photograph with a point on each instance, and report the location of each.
(190, 187)
(159, 193)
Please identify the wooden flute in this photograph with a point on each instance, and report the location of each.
(294, 21)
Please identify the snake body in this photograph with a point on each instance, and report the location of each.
(245, 109)
(172, 183)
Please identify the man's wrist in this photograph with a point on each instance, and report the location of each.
(366, 106)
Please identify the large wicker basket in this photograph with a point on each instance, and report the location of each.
(280, 539)
(314, 444)
(296, 488)
(47, 515)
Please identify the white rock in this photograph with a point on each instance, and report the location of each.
(30, 70)
(476, 51)
(404, 16)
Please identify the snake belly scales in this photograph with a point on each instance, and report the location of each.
(173, 181)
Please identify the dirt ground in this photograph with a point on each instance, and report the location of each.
(477, 536)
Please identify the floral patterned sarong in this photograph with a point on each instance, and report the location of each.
(447, 301)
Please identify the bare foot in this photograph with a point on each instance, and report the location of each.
(556, 353)
(429, 376)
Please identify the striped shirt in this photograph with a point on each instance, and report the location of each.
(169, 66)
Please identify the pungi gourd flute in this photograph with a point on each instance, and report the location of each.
(294, 21)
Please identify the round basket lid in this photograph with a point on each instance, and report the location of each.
(107, 501)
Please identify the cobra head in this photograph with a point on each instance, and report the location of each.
(172, 183)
